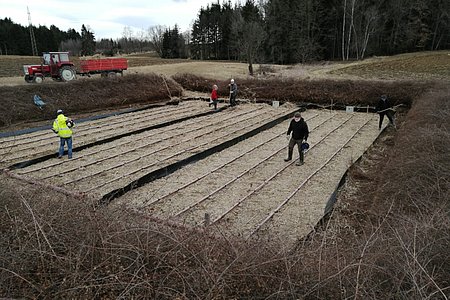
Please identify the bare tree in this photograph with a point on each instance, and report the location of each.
(155, 35)
(127, 32)
(344, 17)
(73, 46)
(253, 37)
(250, 36)
(350, 29)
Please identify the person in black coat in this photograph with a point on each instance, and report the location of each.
(300, 133)
(233, 92)
(384, 107)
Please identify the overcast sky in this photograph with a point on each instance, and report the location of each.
(106, 18)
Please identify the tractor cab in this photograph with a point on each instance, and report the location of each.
(50, 58)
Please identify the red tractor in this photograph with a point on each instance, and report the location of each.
(58, 66)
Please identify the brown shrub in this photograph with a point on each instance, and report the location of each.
(343, 92)
(84, 95)
(396, 228)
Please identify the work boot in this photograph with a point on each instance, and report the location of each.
(299, 163)
(289, 157)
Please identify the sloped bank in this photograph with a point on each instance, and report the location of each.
(324, 92)
(83, 95)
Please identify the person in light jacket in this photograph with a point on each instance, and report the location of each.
(62, 126)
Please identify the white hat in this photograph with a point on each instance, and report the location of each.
(232, 80)
(59, 111)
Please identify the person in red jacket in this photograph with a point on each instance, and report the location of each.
(300, 133)
(214, 97)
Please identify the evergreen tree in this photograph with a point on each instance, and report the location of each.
(87, 41)
(173, 44)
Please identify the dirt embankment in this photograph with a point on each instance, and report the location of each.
(83, 96)
(322, 91)
(89, 95)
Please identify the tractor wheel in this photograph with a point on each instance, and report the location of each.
(28, 78)
(67, 73)
(38, 79)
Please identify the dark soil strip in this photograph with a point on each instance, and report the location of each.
(28, 163)
(169, 169)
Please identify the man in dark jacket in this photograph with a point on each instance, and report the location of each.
(384, 107)
(233, 92)
(300, 132)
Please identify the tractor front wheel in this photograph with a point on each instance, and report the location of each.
(28, 78)
(38, 79)
(67, 73)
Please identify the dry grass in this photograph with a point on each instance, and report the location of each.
(423, 66)
(83, 96)
(340, 92)
(90, 95)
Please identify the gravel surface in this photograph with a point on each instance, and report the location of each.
(28, 146)
(240, 187)
(245, 190)
(101, 169)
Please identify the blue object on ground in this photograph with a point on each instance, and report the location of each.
(38, 101)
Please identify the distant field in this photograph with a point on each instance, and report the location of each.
(420, 65)
(423, 65)
(11, 65)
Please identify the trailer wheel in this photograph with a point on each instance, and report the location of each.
(38, 79)
(67, 73)
(112, 75)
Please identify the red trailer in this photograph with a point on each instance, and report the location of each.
(105, 66)
(58, 66)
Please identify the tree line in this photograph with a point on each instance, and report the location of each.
(292, 31)
(15, 38)
(269, 31)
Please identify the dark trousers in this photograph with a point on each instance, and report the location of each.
(214, 103)
(291, 145)
(390, 116)
(232, 99)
